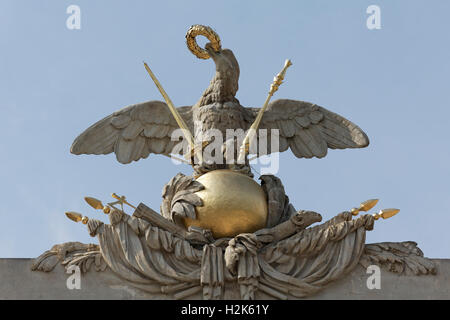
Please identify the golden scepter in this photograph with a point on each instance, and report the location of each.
(277, 81)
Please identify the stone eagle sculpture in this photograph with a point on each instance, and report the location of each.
(134, 132)
(219, 234)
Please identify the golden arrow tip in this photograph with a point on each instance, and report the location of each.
(115, 196)
(94, 203)
(121, 200)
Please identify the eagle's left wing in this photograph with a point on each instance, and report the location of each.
(309, 130)
(133, 132)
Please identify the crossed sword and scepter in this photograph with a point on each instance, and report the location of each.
(194, 149)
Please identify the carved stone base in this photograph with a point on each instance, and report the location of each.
(19, 283)
(287, 259)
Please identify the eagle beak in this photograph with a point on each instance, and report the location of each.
(209, 48)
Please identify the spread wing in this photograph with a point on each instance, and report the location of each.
(309, 130)
(133, 132)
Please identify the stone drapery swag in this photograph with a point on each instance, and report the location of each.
(155, 260)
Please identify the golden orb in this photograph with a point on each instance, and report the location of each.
(233, 203)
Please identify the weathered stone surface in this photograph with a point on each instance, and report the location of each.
(166, 256)
(17, 282)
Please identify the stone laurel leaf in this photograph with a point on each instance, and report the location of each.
(47, 261)
(398, 257)
(277, 201)
(85, 260)
(179, 198)
(188, 196)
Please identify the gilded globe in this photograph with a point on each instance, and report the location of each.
(233, 203)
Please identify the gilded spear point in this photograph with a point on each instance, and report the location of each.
(97, 204)
(77, 217)
(364, 206)
(386, 213)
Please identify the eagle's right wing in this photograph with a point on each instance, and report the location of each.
(133, 132)
(308, 129)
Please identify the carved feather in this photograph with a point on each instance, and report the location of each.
(308, 129)
(133, 132)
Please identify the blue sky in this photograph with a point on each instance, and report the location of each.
(392, 82)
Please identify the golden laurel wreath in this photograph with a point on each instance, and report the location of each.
(200, 30)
